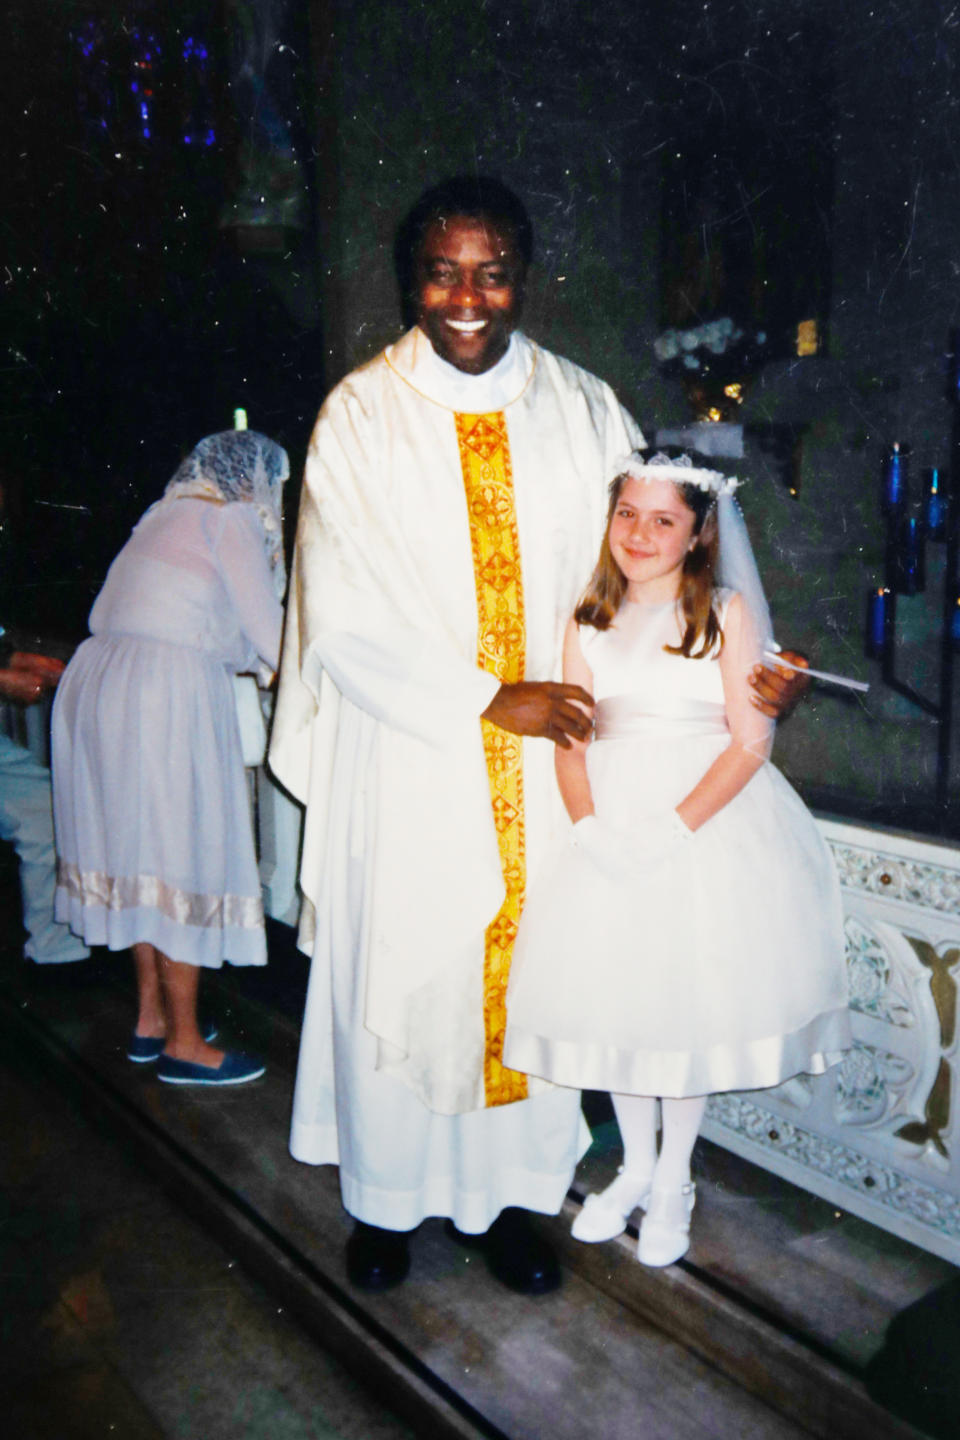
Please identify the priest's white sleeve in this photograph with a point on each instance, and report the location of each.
(368, 614)
(382, 628)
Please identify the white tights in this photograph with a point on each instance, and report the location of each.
(637, 1118)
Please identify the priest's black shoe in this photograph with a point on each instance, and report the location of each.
(515, 1254)
(377, 1259)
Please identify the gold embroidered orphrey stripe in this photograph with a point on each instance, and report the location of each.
(131, 892)
(501, 643)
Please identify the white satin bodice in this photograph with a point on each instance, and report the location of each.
(642, 689)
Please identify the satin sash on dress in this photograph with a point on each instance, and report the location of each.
(629, 717)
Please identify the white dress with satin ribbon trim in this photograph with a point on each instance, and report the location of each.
(154, 832)
(719, 968)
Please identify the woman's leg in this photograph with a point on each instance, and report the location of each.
(151, 1019)
(180, 983)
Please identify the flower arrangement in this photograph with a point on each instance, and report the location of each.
(693, 346)
(714, 361)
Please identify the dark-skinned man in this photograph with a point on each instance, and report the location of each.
(454, 499)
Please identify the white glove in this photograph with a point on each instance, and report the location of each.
(618, 854)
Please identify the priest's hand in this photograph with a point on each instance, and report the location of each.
(777, 692)
(543, 707)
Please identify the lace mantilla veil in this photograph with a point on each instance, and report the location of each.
(239, 466)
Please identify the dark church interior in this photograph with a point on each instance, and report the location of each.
(745, 220)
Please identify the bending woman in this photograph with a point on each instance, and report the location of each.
(154, 834)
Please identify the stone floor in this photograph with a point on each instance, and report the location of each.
(123, 1318)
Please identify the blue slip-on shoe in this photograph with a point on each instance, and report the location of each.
(234, 1069)
(144, 1049)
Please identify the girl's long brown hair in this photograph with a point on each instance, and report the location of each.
(604, 594)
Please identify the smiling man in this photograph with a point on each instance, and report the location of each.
(470, 291)
(454, 499)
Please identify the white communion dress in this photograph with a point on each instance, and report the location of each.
(720, 967)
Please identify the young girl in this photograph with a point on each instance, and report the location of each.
(689, 938)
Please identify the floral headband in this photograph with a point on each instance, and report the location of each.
(679, 468)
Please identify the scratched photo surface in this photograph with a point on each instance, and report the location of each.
(743, 211)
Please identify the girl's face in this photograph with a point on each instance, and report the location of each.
(651, 531)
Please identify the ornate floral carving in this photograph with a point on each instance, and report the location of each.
(936, 1115)
(885, 1186)
(877, 872)
(943, 986)
(868, 1083)
(898, 1082)
(873, 990)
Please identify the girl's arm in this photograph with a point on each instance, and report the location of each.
(751, 733)
(572, 762)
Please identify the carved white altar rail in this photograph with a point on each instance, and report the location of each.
(878, 1136)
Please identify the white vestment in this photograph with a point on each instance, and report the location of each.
(377, 732)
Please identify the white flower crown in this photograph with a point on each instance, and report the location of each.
(679, 468)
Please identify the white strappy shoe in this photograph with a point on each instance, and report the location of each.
(604, 1216)
(665, 1231)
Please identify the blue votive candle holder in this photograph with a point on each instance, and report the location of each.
(878, 609)
(935, 505)
(955, 624)
(911, 575)
(894, 492)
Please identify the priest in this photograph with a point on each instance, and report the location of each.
(454, 500)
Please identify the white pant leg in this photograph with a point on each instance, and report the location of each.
(26, 819)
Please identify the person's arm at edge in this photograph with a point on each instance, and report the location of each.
(27, 677)
(776, 692)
